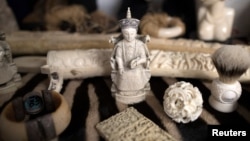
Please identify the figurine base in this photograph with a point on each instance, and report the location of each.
(222, 107)
(131, 99)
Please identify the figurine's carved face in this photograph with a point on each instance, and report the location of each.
(129, 34)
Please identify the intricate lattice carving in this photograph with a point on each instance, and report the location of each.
(183, 102)
(160, 59)
(181, 60)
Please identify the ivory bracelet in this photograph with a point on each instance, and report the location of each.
(12, 130)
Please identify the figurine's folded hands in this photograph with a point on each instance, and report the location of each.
(121, 70)
(137, 61)
(134, 63)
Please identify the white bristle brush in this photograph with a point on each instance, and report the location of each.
(231, 61)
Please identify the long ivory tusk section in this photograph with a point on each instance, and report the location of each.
(71, 64)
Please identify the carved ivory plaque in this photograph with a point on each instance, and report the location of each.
(130, 125)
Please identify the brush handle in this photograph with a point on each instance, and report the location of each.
(224, 96)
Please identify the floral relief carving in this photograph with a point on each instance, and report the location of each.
(161, 60)
(182, 60)
(131, 125)
(96, 62)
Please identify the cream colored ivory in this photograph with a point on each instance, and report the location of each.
(29, 63)
(170, 32)
(129, 61)
(11, 130)
(75, 64)
(130, 125)
(215, 20)
(183, 102)
(43, 42)
(224, 97)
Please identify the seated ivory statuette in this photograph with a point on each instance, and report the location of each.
(77, 64)
(130, 60)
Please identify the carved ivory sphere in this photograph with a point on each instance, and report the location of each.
(183, 102)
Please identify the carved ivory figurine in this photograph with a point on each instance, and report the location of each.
(130, 64)
(214, 20)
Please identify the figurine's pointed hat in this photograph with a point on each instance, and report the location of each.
(129, 21)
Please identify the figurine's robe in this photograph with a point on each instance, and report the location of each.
(131, 79)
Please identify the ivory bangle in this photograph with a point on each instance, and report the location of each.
(11, 130)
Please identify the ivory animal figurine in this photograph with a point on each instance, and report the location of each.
(130, 62)
(183, 102)
(215, 20)
(10, 80)
(231, 62)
